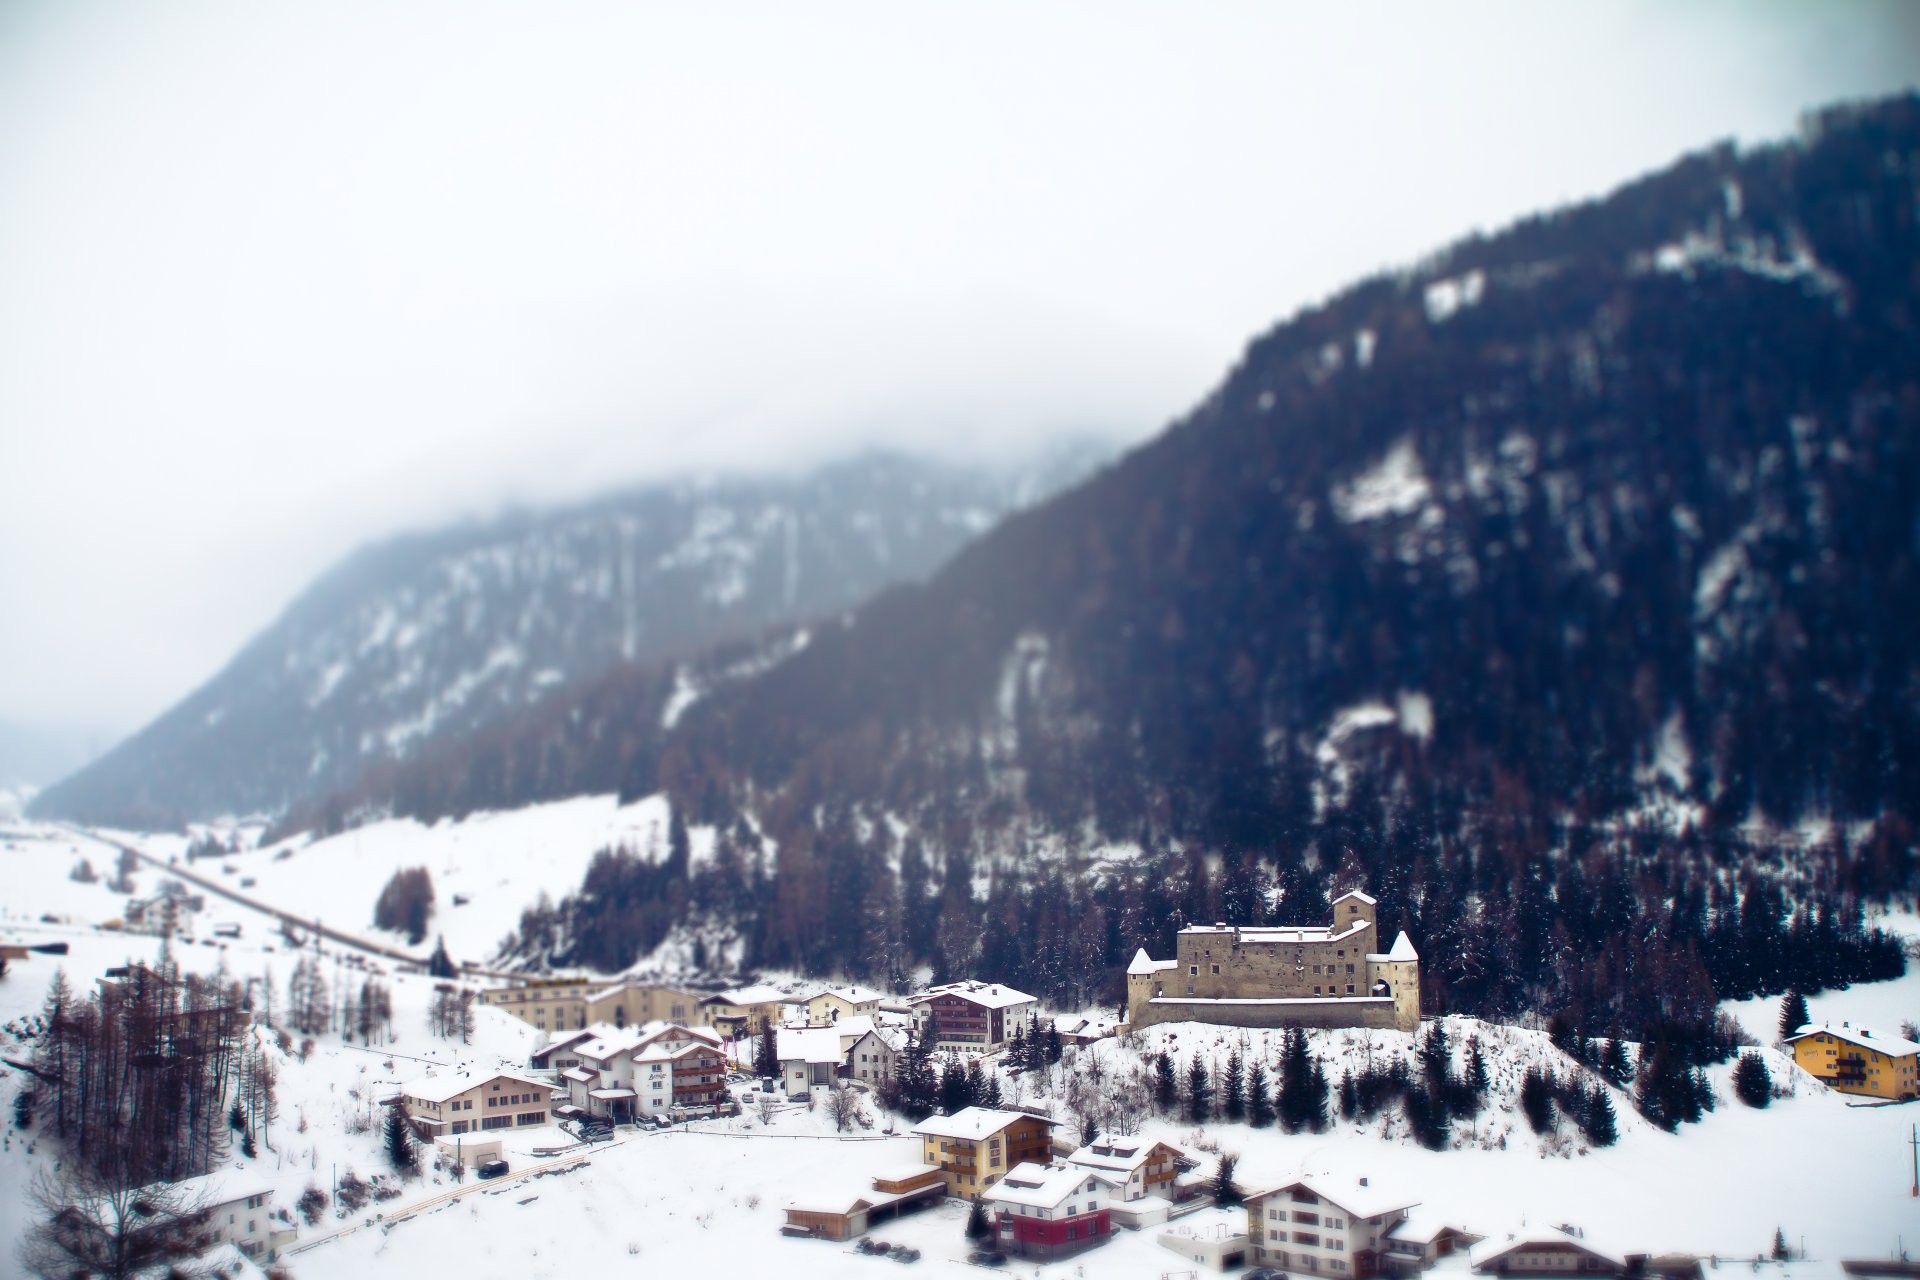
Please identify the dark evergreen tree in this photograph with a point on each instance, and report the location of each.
(1233, 1088)
(1752, 1082)
(766, 1051)
(1226, 1193)
(955, 1093)
(1793, 1014)
(978, 1228)
(1166, 1090)
(1536, 1099)
(1199, 1093)
(439, 964)
(1259, 1096)
(399, 1140)
(1597, 1120)
(1614, 1064)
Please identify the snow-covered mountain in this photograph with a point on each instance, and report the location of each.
(441, 633)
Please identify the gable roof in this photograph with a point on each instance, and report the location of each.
(990, 995)
(1121, 1155)
(562, 1041)
(1488, 1251)
(1355, 893)
(440, 1088)
(852, 994)
(760, 994)
(1864, 1037)
(974, 1123)
(1358, 1201)
(1041, 1186)
(809, 1044)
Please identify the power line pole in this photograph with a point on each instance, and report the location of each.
(1914, 1142)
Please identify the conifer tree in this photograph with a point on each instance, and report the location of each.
(1165, 1088)
(1614, 1064)
(399, 1135)
(1536, 1099)
(766, 1052)
(955, 1095)
(1233, 1088)
(1752, 1082)
(1199, 1093)
(1226, 1193)
(1597, 1119)
(976, 1084)
(440, 964)
(978, 1228)
(1793, 1014)
(1259, 1096)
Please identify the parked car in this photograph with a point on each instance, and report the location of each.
(905, 1253)
(492, 1168)
(987, 1258)
(1266, 1273)
(659, 1120)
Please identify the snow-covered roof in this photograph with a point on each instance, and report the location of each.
(760, 994)
(222, 1186)
(580, 1074)
(1423, 1226)
(1865, 1037)
(440, 1088)
(673, 1050)
(895, 1038)
(562, 1041)
(852, 994)
(1355, 893)
(1403, 948)
(810, 1044)
(1359, 1201)
(974, 1124)
(1265, 935)
(1120, 1154)
(989, 995)
(904, 1172)
(1040, 1186)
(1498, 1246)
(225, 1262)
(1146, 964)
(610, 1093)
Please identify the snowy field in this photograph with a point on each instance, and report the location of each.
(499, 863)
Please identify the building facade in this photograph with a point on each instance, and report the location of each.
(1307, 1226)
(970, 1017)
(1050, 1211)
(442, 1106)
(557, 1005)
(974, 1148)
(1857, 1059)
(1335, 976)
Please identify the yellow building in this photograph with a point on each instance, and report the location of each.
(1857, 1059)
(555, 1005)
(974, 1148)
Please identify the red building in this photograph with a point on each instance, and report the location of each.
(1051, 1211)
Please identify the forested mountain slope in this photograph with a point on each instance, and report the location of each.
(432, 637)
(1563, 589)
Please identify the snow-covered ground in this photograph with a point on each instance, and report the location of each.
(499, 863)
(1823, 1169)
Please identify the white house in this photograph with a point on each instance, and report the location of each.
(238, 1207)
(1050, 1211)
(827, 1006)
(648, 1070)
(1323, 1227)
(970, 1017)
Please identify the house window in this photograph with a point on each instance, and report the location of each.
(1216, 969)
(1193, 971)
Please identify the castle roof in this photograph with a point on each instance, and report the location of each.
(1355, 893)
(1144, 963)
(1403, 948)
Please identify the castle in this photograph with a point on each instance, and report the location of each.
(1314, 977)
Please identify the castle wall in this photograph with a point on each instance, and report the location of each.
(1268, 977)
(1382, 1013)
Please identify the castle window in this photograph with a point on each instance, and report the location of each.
(1316, 968)
(1193, 970)
(1216, 968)
(1349, 988)
(1316, 991)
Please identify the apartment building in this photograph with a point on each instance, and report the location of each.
(470, 1102)
(1318, 1228)
(974, 1148)
(1857, 1059)
(970, 1017)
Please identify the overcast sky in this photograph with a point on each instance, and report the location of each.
(277, 279)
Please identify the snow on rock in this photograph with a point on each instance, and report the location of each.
(1395, 486)
(1446, 298)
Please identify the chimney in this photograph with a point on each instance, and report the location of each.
(1363, 1182)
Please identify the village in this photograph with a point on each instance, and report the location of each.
(995, 1132)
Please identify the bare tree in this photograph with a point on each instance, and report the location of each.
(90, 1226)
(843, 1107)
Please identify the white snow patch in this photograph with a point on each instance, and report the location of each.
(1364, 342)
(685, 694)
(1445, 298)
(1416, 715)
(1394, 486)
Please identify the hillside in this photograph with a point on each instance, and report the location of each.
(1559, 589)
(432, 637)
